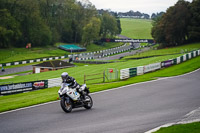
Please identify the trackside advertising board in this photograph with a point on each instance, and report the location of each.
(152, 67)
(23, 87)
(167, 63)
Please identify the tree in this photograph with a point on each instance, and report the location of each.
(171, 29)
(109, 25)
(194, 27)
(91, 31)
(44, 22)
(9, 29)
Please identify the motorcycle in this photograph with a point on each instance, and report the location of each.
(71, 98)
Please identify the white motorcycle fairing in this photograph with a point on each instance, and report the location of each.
(72, 93)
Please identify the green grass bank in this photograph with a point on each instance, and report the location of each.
(183, 128)
(136, 28)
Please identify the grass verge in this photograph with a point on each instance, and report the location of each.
(136, 28)
(184, 128)
(11, 102)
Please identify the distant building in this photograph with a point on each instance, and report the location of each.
(51, 66)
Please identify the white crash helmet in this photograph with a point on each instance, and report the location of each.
(64, 76)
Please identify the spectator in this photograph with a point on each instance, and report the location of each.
(2, 69)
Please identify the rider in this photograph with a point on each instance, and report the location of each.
(72, 82)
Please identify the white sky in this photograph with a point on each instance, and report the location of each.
(144, 6)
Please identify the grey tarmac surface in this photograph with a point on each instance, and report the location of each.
(131, 109)
(16, 70)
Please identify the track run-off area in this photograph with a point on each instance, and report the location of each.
(134, 108)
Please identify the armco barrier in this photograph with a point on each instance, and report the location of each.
(31, 61)
(23, 87)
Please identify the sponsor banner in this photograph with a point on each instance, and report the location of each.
(178, 60)
(140, 70)
(23, 62)
(1, 65)
(38, 60)
(167, 63)
(40, 84)
(124, 73)
(128, 40)
(152, 67)
(133, 40)
(44, 59)
(15, 88)
(22, 87)
(198, 52)
(31, 61)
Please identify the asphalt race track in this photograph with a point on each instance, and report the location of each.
(131, 109)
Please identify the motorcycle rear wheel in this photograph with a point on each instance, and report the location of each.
(67, 107)
(89, 104)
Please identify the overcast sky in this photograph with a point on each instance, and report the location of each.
(144, 6)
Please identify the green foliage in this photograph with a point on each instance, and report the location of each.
(91, 31)
(9, 29)
(45, 22)
(109, 26)
(178, 25)
(194, 27)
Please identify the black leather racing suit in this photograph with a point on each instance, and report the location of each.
(73, 84)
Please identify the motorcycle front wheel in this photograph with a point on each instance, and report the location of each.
(89, 104)
(66, 106)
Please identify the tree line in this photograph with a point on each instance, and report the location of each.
(180, 24)
(44, 22)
